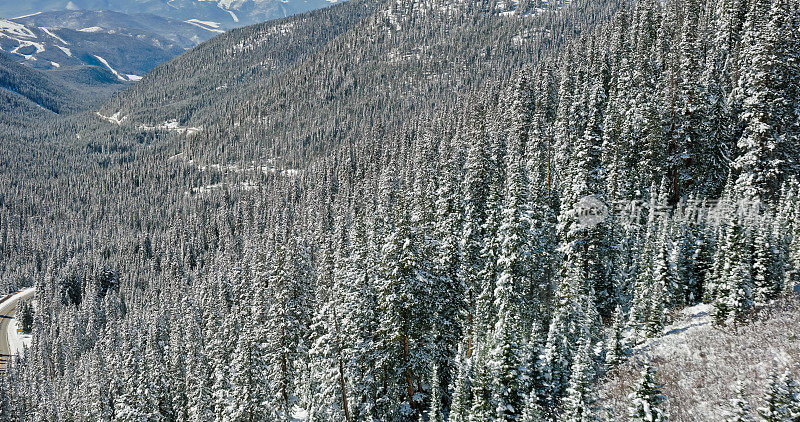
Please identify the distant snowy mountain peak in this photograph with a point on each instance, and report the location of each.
(123, 46)
(229, 13)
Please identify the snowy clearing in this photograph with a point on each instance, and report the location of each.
(91, 29)
(701, 365)
(26, 16)
(13, 29)
(114, 118)
(173, 126)
(207, 25)
(105, 63)
(50, 33)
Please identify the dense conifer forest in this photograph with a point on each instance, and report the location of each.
(410, 211)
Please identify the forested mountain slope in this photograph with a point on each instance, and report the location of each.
(343, 72)
(127, 47)
(46, 92)
(487, 233)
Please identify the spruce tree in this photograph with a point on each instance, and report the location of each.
(580, 401)
(647, 401)
(741, 412)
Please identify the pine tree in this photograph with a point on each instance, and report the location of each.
(462, 390)
(449, 292)
(759, 165)
(647, 400)
(404, 300)
(781, 399)
(476, 187)
(575, 318)
(686, 146)
(617, 350)
(580, 400)
(513, 267)
(435, 412)
(329, 397)
(765, 272)
(481, 409)
(734, 294)
(741, 407)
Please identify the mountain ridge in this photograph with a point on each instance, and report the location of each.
(226, 13)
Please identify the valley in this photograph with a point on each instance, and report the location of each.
(401, 210)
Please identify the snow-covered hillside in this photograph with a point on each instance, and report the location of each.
(227, 13)
(702, 366)
(126, 46)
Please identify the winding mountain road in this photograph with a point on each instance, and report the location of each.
(8, 309)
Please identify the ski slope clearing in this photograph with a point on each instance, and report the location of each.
(702, 365)
(12, 342)
(208, 26)
(13, 29)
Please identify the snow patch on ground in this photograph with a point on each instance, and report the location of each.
(701, 365)
(13, 29)
(114, 118)
(91, 29)
(243, 186)
(245, 172)
(26, 16)
(173, 126)
(207, 25)
(124, 78)
(66, 50)
(687, 322)
(105, 63)
(50, 33)
(299, 414)
(25, 43)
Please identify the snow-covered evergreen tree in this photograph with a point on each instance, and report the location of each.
(647, 401)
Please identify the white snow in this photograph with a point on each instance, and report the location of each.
(688, 321)
(233, 15)
(174, 126)
(54, 64)
(700, 363)
(13, 29)
(176, 157)
(299, 414)
(207, 25)
(114, 118)
(134, 78)
(119, 76)
(50, 33)
(26, 16)
(91, 29)
(25, 43)
(16, 341)
(66, 50)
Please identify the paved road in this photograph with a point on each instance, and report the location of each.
(8, 308)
